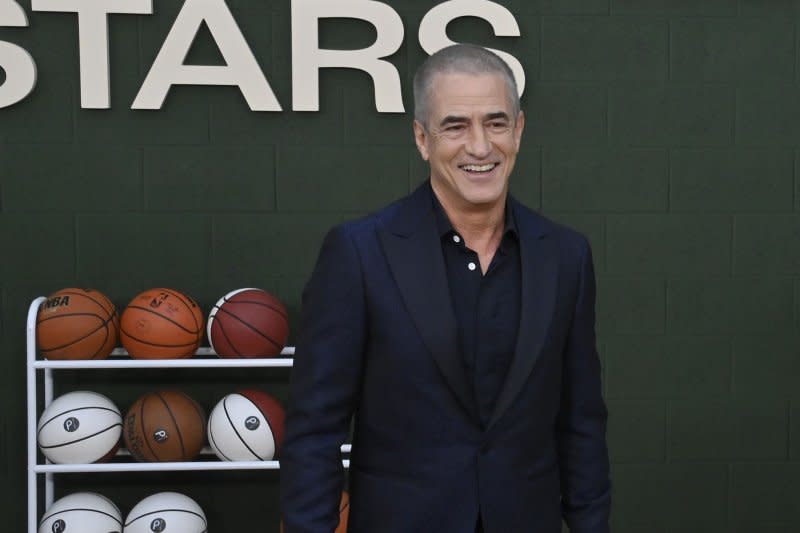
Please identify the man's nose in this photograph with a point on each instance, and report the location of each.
(478, 144)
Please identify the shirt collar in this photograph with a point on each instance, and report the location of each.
(445, 228)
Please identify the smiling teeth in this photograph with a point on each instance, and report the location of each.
(479, 168)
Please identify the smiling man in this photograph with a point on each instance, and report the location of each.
(457, 327)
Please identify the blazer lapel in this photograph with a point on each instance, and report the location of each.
(539, 267)
(414, 252)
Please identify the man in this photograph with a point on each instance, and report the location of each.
(457, 326)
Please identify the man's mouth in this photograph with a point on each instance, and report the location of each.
(479, 169)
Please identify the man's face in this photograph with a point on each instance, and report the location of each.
(471, 140)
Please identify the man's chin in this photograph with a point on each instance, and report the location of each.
(485, 199)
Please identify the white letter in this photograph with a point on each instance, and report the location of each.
(241, 66)
(17, 63)
(12, 14)
(307, 58)
(433, 28)
(93, 40)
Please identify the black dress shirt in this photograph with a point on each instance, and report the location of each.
(486, 306)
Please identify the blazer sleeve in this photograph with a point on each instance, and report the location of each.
(581, 430)
(324, 387)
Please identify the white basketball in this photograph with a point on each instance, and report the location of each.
(166, 512)
(240, 430)
(82, 512)
(79, 427)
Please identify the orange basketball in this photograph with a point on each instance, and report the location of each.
(344, 512)
(161, 324)
(77, 324)
(164, 426)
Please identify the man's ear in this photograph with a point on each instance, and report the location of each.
(421, 138)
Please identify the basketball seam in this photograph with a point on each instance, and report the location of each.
(111, 318)
(212, 314)
(271, 429)
(209, 325)
(100, 349)
(213, 441)
(267, 337)
(205, 522)
(175, 423)
(59, 293)
(278, 310)
(228, 339)
(111, 311)
(62, 413)
(102, 324)
(235, 430)
(137, 339)
(80, 439)
(85, 295)
(98, 511)
(181, 297)
(165, 318)
(144, 433)
(269, 423)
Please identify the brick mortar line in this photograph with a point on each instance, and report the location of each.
(668, 460)
(604, 234)
(664, 457)
(668, 51)
(541, 178)
(735, 121)
(791, 440)
(274, 178)
(668, 188)
(76, 246)
(142, 198)
(541, 48)
(732, 259)
(277, 167)
(607, 115)
(789, 430)
(795, 184)
(728, 495)
(796, 45)
(142, 181)
(732, 358)
(72, 111)
(665, 293)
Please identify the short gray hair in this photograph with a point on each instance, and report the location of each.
(461, 59)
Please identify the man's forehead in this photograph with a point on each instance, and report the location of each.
(487, 93)
(495, 80)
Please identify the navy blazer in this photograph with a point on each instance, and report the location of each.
(379, 341)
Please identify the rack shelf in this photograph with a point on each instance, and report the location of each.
(164, 363)
(119, 359)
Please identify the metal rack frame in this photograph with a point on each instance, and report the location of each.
(118, 360)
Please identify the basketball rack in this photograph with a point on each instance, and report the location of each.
(119, 359)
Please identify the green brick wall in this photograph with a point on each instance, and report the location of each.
(668, 131)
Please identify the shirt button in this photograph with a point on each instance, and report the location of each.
(456, 239)
(471, 266)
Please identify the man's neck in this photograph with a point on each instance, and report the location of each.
(481, 227)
